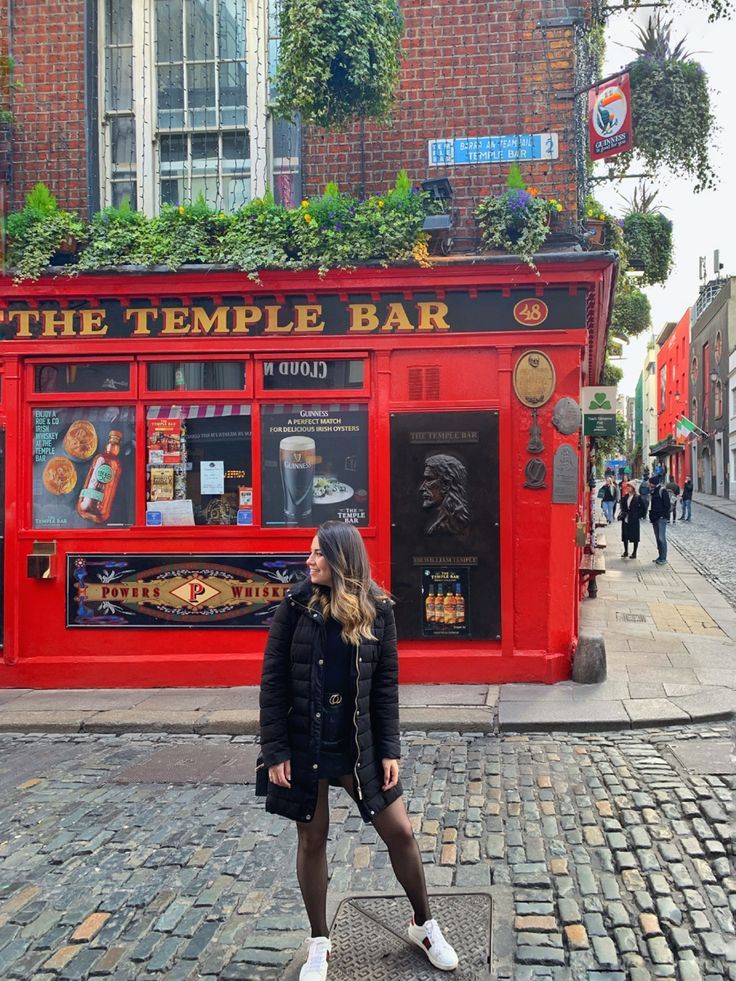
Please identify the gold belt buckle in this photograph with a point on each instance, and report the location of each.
(335, 699)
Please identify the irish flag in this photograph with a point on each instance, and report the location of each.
(684, 429)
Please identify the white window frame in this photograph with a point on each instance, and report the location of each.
(259, 121)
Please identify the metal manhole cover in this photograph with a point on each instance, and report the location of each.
(710, 756)
(373, 931)
(186, 763)
(632, 617)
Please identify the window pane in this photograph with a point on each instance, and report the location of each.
(169, 30)
(236, 192)
(314, 464)
(201, 94)
(233, 94)
(84, 467)
(122, 139)
(235, 151)
(231, 29)
(183, 376)
(202, 454)
(124, 191)
(119, 78)
(119, 21)
(172, 192)
(96, 376)
(170, 97)
(200, 44)
(205, 147)
(311, 373)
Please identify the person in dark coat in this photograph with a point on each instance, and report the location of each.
(329, 704)
(659, 515)
(631, 510)
(687, 500)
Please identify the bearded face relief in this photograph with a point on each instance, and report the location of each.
(444, 493)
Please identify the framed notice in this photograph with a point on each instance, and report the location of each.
(445, 525)
(84, 466)
(314, 465)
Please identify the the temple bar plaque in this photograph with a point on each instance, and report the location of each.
(565, 476)
(357, 314)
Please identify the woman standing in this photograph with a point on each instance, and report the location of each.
(330, 716)
(609, 497)
(631, 510)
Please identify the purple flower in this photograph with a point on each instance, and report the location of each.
(338, 226)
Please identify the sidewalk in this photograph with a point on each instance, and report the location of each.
(720, 504)
(671, 649)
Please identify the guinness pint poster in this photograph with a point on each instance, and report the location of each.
(84, 467)
(445, 569)
(119, 590)
(314, 465)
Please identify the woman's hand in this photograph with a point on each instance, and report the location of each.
(390, 774)
(281, 774)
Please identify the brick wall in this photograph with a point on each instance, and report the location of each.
(49, 143)
(471, 68)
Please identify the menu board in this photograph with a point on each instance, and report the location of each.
(314, 465)
(84, 467)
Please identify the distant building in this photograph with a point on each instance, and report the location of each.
(649, 402)
(672, 396)
(713, 337)
(637, 435)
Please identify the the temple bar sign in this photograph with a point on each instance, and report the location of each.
(457, 311)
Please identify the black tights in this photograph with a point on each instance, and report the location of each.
(392, 824)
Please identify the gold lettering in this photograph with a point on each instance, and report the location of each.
(397, 318)
(202, 323)
(142, 317)
(245, 317)
(272, 322)
(93, 323)
(432, 316)
(23, 319)
(306, 317)
(362, 317)
(174, 322)
(54, 321)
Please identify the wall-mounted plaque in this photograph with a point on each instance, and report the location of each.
(535, 473)
(567, 417)
(534, 379)
(565, 476)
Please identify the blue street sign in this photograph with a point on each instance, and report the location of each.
(493, 149)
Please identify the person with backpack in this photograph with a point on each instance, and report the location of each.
(673, 489)
(687, 500)
(659, 515)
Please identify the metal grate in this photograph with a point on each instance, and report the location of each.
(373, 931)
(632, 617)
(188, 763)
(424, 383)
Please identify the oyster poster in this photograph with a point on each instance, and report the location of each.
(67, 446)
(178, 590)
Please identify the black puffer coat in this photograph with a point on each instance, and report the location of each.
(291, 699)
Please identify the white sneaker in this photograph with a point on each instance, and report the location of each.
(429, 938)
(319, 954)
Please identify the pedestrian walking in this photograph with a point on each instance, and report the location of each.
(631, 510)
(673, 489)
(687, 500)
(659, 515)
(643, 491)
(609, 498)
(330, 717)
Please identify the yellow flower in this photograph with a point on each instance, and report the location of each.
(222, 214)
(305, 203)
(558, 206)
(307, 218)
(380, 204)
(181, 209)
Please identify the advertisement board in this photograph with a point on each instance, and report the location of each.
(609, 118)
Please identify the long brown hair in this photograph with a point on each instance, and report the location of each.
(351, 600)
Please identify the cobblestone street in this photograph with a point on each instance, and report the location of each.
(616, 850)
(709, 541)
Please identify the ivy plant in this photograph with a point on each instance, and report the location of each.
(258, 236)
(672, 117)
(184, 234)
(38, 232)
(117, 237)
(648, 237)
(632, 311)
(338, 60)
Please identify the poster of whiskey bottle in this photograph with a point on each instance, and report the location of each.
(444, 602)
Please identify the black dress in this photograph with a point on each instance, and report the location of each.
(337, 752)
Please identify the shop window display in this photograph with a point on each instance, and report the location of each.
(192, 376)
(199, 465)
(93, 376)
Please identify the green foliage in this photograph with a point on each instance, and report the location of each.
(258, 236)
(184, 234)
(518, 220)
(671, 111)
(648, 237)
(717, 9)
(37, 232)
(612, 235)
(609, 447)
(338, 60)
(632, 312)
(117, 237)
(9, 84)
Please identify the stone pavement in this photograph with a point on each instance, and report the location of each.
(721, 504)
(609, 856)
(671, 647)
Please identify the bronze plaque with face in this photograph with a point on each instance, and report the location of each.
(534, 379)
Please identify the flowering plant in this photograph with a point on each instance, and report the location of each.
(517, 220)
